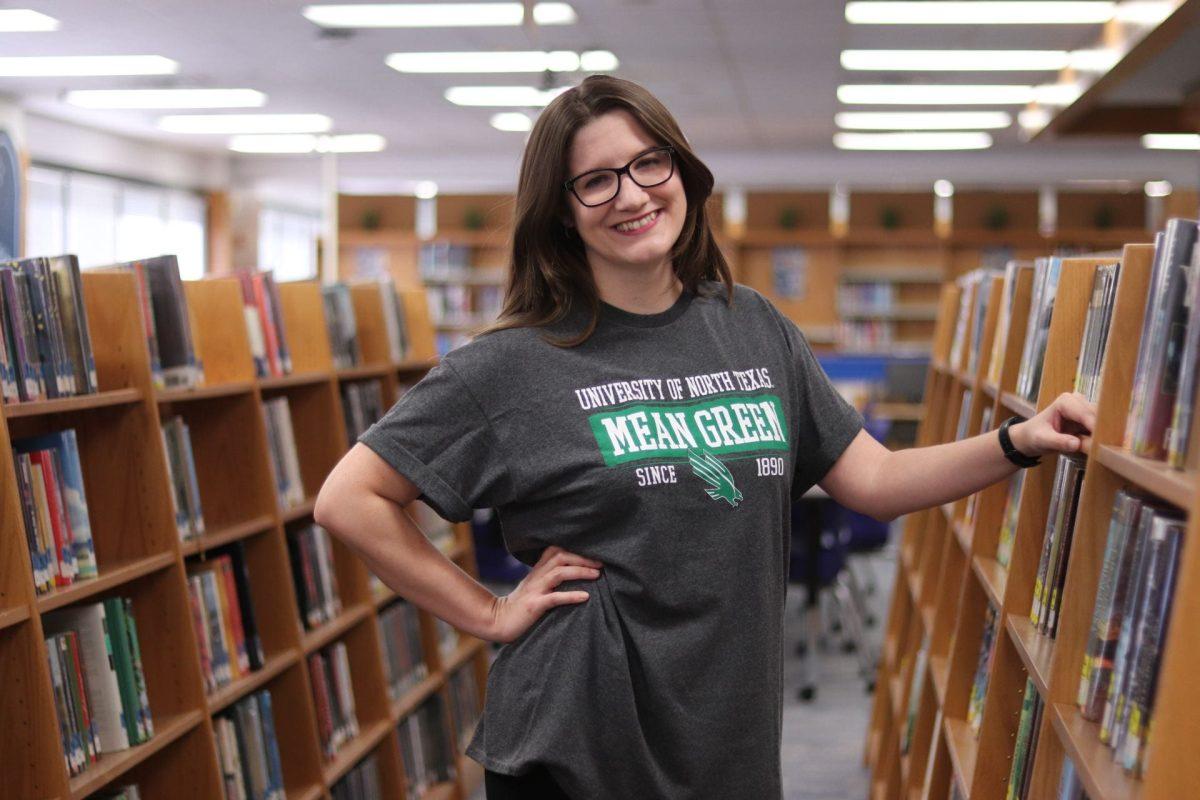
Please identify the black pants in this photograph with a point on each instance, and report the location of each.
(537, 784)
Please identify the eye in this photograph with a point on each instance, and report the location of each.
(650, 161)
(597, 181)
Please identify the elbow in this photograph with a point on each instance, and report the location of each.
(326, 511)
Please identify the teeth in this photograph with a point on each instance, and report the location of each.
(633, 225)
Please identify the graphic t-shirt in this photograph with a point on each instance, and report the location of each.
(670, 447)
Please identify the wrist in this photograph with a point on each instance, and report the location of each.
(1017, 432)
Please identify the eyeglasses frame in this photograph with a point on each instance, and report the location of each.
(569, 185)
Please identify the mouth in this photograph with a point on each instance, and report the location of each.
(635, 226)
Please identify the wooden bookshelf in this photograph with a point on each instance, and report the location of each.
(931, 571)
(140, 554)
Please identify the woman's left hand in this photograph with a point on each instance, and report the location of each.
(1061, 427)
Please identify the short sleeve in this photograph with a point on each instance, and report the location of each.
(438, 437)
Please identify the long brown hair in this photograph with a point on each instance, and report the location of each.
(549, 274)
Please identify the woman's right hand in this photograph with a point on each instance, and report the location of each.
(514, 613)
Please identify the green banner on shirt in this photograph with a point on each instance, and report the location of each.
(667, 431)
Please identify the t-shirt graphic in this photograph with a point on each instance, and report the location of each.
(669, 447)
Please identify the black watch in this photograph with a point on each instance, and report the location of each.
(1011, 453)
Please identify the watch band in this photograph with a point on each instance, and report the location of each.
(1011, 453)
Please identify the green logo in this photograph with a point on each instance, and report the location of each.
(715, 474)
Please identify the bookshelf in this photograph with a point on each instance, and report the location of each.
(141, 556)
(949, 575)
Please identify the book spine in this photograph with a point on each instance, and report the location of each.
(241, 577)
(9, 392)
(59, 560)
(233, 613)
(75, 500)
(200, 624)
(270, 742)
(123, 659)
(33, 539)
(92, 735)
(139, 672)
(193, 482)
(1185, 398)
(62, 712)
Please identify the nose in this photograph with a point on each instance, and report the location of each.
(630, 195)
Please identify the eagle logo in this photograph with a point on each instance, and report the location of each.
(709, 469)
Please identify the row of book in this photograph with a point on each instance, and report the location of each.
(1028, 728)
(99, 684)
(248, 750)
(45, 345)
(464, 703)
(466, 304)
(867, 297)
(362, 405)
(1046, 274)
(983, 669)
(1129, 623)
(1056, 543)
(403, 655)
(865, 335)
(223, 617)
(426, 747)
(264, 324)
(281, 448)
(54, 510)
(360, 783)
(333, 697)
(341, 323)
(166, 321)
(443, 260)
(181, 472)
(1164, 383)
(311, 554)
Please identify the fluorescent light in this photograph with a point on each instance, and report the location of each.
(598, 61)
(245, 123)
(912, 141)
(922, 120)
(981, 12)
(300, 143)
(955, 60)
(166, 98)
(943, 188)
(436, 15)
(426, 190)
(1171, 141)
(1100, 60)
(513, 121)
(1033, 120)
(527, 61)
(24, 20)
(502, 95)
(84, 66)
(1158, 188)
(935, 94)
(1144, 12)
(1057, 94)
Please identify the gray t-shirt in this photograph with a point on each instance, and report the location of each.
(669, 447)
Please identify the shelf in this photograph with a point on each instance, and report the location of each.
(412, 698)
(939, 671)
(14, 615)
(1018, 405)
(788, 238)
(65, 405)
(109, 577)
(928, 612)
(364, 371)
(1175, 486)
(230, 533)
(314, 640)
(948, 511)
(204, 392)
(963, 747)
(896, 693)
(300, 511)
(1036, 651)
(354, 750)
(989, 388)
(381, 599)
(417, 365)
(896, 312)
(231, 693)
(112, 765)
(994, 578)
(312, 792)
(1102, 778)
(289, 381)
(468, 646)
(964, 533)
(878, 237)
(915, 275)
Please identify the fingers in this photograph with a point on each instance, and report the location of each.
(1077, 408)
(555, 556)
(570, 573)
(555, 599)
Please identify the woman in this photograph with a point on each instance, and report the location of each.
(642, 426)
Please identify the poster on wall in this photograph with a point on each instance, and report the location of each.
(10, 199)
(789, 269)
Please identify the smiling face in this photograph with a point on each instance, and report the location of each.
(637, 228)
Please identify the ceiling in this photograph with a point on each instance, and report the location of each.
(749, 80)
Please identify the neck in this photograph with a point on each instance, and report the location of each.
(635, 288)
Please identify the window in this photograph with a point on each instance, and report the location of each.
(287, 243)
(103, 220)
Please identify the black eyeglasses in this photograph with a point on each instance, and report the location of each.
(599, 186)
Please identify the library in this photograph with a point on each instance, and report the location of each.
(599, 399)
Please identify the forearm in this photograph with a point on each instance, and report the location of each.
(922, 477)
(395, 549)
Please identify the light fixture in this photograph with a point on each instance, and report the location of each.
(922, 120)
(84, 66)
(245, 123)
(436, 15)
(1097, 60)
(1057, 94)
(1144, 12)
(426, 190)
(598, 61)
(956, 60)
(25, 20)
(1158, 188)
(979, 12)
(935, 94)
(1033, 120)
(166, 98)
(1171, 141)
(526, 96)
(943, 188)
(302, 143)
(912, 141)
(513, 121)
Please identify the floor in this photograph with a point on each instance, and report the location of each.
(823, 738)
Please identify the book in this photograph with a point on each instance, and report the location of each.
(394, 320)
(1012, 275)
(1095, 330)
(362, 405)
(285, 462)
(22, 334)
(57, 455)
(341, 325)
(360, 783)
(1056, 542)
(135, 716)
(167, 322)
(76, 334)
(1180, 430)
(983, 670)
(966, 285)
(1037, 332)
(1008, 525)
(465, 706)
(404, 661)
